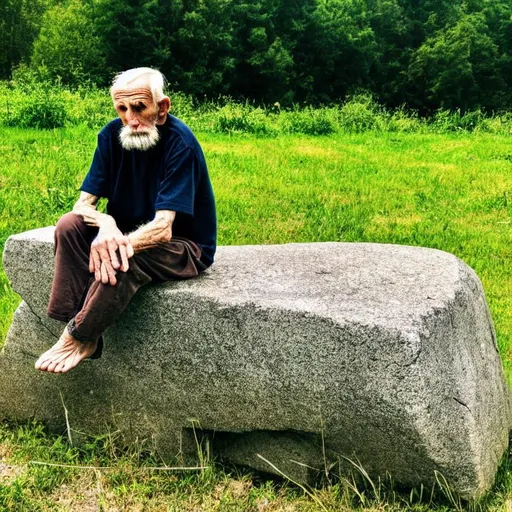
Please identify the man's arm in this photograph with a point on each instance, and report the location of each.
(86, 207)
(103, 260)
(151, 234)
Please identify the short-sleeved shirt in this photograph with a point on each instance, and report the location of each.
(172, 175)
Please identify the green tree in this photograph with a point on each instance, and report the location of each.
(68, 46)
(20, 21)
(189, 40)
(264, 62)
(422, 53)
(343, 48)
(394, 43)
(137, 32)
(498, 16)
(458, 67)
(401, 27)
(202, 61)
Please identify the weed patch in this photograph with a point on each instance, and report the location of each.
(32, 104)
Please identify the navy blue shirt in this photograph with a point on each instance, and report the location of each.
(170, 176)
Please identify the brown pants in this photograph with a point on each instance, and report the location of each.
(91, 306)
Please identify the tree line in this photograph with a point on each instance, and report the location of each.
(426, 54)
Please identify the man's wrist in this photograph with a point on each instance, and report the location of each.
(106, 221)
(134, 240)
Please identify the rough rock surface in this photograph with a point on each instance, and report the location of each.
(386, 354)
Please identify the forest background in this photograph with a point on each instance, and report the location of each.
(427, 55)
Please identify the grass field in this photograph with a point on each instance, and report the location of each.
(450, 192)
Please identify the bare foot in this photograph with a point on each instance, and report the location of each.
(67, 353)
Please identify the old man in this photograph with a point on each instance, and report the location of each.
(160, 223)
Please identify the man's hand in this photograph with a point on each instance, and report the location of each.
(110, 252)
(109, 246)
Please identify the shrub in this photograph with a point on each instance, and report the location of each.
(499, 123)
(308, 120)
(453, 120)
(199, 117)
(242, 118)
(471, 121)
(43, 111)
(182, 105)
(361, 113)
(404, 121)
(27, 78)
(90, 106)
(29, 102)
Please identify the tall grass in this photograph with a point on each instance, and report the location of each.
(46, 106)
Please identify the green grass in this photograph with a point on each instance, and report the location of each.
(448, 191)
(42, 472)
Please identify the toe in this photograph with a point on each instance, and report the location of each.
(38, 363)
(42, 363)
(51, 367)
(60, 368)
(66, 365)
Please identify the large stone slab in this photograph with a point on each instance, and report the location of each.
(386, 354)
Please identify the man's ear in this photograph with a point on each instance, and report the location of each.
(163, 107)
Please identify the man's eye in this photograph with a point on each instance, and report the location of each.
(140, 107)
(122, 108)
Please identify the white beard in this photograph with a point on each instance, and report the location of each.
(138, 140)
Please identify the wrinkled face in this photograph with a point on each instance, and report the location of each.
(139, 115)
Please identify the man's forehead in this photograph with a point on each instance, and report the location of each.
(142, 93)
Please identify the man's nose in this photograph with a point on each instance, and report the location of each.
(132, 119)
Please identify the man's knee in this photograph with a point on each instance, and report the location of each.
(69, 223)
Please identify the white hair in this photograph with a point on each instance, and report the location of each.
(138, 140)
(137, 77)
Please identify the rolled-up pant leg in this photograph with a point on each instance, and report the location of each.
(178, 259)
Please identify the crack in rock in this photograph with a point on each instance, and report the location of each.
(463, 404)
(48, 330)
